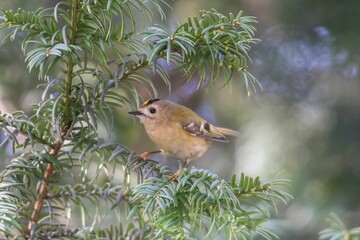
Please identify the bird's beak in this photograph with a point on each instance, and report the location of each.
(136, 113)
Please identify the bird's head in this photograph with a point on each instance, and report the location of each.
(152, 110)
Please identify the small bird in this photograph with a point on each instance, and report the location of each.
(178, 131)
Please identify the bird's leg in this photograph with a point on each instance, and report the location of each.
(177, 173)
(146, 155)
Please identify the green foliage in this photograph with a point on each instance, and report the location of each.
(210, 44)
(90, 62)
(202, 204)
(338, 230)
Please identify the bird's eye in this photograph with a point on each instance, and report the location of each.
(152, 110)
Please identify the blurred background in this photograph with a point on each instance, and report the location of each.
(304, 125)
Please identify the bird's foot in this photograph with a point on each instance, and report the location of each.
(175, 175)
(144, 155)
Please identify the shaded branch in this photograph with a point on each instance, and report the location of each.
(43, 190)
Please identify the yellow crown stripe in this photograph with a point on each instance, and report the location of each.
(146, 102)
(150, 101)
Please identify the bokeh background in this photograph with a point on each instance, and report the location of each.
(304, 125)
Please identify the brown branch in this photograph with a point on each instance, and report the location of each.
(43, 190)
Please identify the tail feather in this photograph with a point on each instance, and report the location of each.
(227, 131)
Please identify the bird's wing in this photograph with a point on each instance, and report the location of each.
(204, 130)
(227, 131)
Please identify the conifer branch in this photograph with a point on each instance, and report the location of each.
(54, 150)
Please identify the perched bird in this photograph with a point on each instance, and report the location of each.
(177, 130)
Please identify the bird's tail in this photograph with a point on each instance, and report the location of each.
(227, 131)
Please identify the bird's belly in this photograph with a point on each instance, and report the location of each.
(183, 146)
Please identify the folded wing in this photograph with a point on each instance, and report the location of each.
(208, 131)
